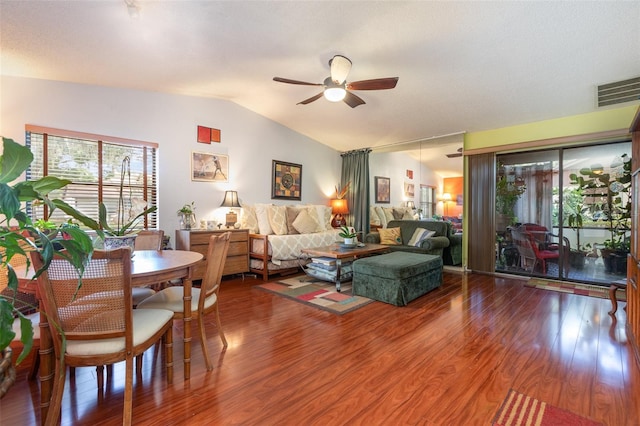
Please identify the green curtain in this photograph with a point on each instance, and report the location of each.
(355, 169)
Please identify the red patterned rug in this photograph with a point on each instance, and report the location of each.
(574, 288)
(319, 295)
(519, 409)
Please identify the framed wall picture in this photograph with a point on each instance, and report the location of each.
(208, 167)
(409, 190)
(286, 181)
(383, 189)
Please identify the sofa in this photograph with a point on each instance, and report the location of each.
(434, 244)
(278, 234)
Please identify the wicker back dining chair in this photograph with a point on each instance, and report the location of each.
(93, 324)
(149, 239)
(204, 299)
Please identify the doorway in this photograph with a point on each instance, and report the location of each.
(564, 213)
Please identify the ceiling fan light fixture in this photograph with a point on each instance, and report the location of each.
(334, 92)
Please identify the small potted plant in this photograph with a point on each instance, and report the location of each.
(349, 235)
(120, 230)
(187, 215)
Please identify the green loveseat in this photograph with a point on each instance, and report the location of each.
(433, 245)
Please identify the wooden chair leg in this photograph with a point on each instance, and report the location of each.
(203, 342)
(53, 415)
(127, 413)
(219, 324)
(168, 353)
(100, 376)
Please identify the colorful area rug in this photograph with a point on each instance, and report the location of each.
(319, 295)
(573, 288)
(519, 409)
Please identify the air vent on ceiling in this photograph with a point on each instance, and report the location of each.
(619, 92)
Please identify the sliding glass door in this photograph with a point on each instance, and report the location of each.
(564, 213)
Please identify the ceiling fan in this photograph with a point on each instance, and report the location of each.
(337, 89)
(458, 153)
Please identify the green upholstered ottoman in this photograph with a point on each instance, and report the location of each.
(397, 277)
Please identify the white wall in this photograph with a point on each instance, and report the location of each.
(250, 140)
(394, 165)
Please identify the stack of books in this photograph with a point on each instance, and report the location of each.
(325, 268)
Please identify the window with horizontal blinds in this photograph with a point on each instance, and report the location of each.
(94, 166)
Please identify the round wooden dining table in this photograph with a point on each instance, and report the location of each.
(148, 267)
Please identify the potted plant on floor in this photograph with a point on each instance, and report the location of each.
(120, 229)
(19, 235)
(574, 213)
(508, 192)
(614, 188)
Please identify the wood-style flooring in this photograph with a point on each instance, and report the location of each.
(449, 358)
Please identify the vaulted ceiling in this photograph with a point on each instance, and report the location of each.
(462, 66)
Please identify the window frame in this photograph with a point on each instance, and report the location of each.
(147, 151)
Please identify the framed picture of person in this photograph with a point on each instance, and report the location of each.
(383, 189)
(208, 167)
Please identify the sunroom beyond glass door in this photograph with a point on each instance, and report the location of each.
(596, 211)
(564, 213)
(525, 237)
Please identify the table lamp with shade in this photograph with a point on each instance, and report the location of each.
(230, 200)
(338, 208)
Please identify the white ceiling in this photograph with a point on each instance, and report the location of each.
(463, 66)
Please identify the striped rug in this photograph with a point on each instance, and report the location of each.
(574, 288)
(519, 409)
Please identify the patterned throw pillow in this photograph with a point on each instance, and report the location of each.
(305, 223)
(390, 236)
(374, 219)
(262, 213)
(419, 235)
(381, 216)
(292, 214)
(397, 213)
(278, 219)
(249, 220)
(388, 213)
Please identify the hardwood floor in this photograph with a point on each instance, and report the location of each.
(449, 358)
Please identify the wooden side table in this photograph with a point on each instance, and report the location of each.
(198, 240)
(615, 285)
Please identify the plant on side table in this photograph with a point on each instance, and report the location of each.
(187, 216)
(19, 236)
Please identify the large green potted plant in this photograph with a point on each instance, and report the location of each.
(19, 235)
(574, 214)
(507, 195)
(614, 188)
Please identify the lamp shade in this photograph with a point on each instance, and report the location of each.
(230, 199)
(411, 205)
(446, 197)
(339, 206)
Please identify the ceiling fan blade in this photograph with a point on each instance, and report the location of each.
(340, 67)
(456, 154)
(286, 80)
(311, 99)
(352, 100)
(375, 84)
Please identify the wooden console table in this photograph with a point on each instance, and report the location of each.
(198, 240)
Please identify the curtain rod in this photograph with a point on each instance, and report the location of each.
(418, 140)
